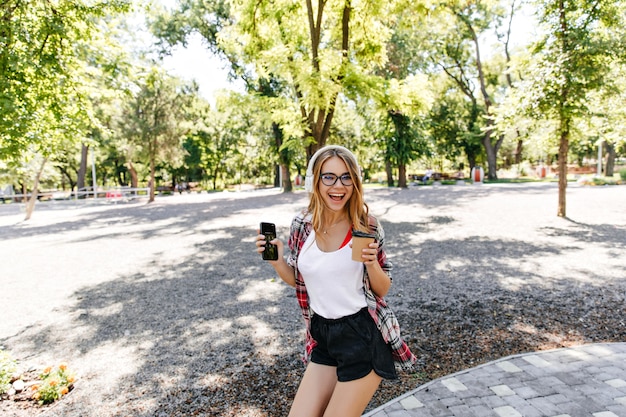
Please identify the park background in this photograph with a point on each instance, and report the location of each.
(93, 102)
(97, 114)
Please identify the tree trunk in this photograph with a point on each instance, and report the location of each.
(320, 129)
(319, 120)
(518, 150)
(609, 167)
(509, 81)
(30, 206)
(402, 176)
(82, 170)
(283, 158)
(286, 174)
(492, 170)
(562, 169)
(490, 149)
(134, 180)
(152, 178)
(389, 171)
(215, 174)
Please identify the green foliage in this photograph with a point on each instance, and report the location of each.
(42, 75)
(457, 51)
(570, 62)
(407, 141)
(45, 74)
(399, 80)
(156, 120)
(599, 181)
(572, 59)
(55, 383)
(7, 367)
(454, 126)
(320, 50)
(622, 174)
(221, 138)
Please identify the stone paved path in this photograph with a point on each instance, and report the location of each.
(584, 381)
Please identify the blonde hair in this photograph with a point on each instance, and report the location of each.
(358, 211)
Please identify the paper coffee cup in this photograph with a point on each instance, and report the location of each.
(360, 241)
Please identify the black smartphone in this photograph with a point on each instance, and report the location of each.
(271, 251)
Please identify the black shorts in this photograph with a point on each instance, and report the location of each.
(353, 344)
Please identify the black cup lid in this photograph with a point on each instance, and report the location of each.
(357, 233)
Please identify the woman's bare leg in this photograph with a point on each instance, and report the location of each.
(349, 399)
(315, 391)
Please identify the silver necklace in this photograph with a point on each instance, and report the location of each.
(331, 226)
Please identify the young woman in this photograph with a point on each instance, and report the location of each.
(352, 337)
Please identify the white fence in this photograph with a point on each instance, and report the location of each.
(105, 194)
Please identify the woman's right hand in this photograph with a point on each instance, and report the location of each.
(285, 272)
(260, 245)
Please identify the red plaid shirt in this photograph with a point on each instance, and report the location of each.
(384, 318)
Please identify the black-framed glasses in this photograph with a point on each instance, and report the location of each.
(329, 179)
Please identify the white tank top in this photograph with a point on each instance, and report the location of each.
(333, 280)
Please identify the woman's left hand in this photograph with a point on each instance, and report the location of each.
(370, 254)
(379, 280)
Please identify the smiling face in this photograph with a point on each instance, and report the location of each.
(337, 195)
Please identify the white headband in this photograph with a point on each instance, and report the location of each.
(308, 180)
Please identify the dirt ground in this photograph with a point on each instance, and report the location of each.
(165, 309)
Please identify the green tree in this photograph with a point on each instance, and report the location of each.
(208, 18)
(43, 75)
(571, 61)
(457, 51)
(506, 38)
(221, 135)
(155, 120)
(111, 71)
(454, 126)
(319, 49)
(404, 94)
(608, 116)
(270, 94)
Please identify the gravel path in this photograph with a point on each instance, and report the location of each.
(165, 309)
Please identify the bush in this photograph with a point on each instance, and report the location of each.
(587, 180)
(55, 383)
(7, 367)
(622, 174)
